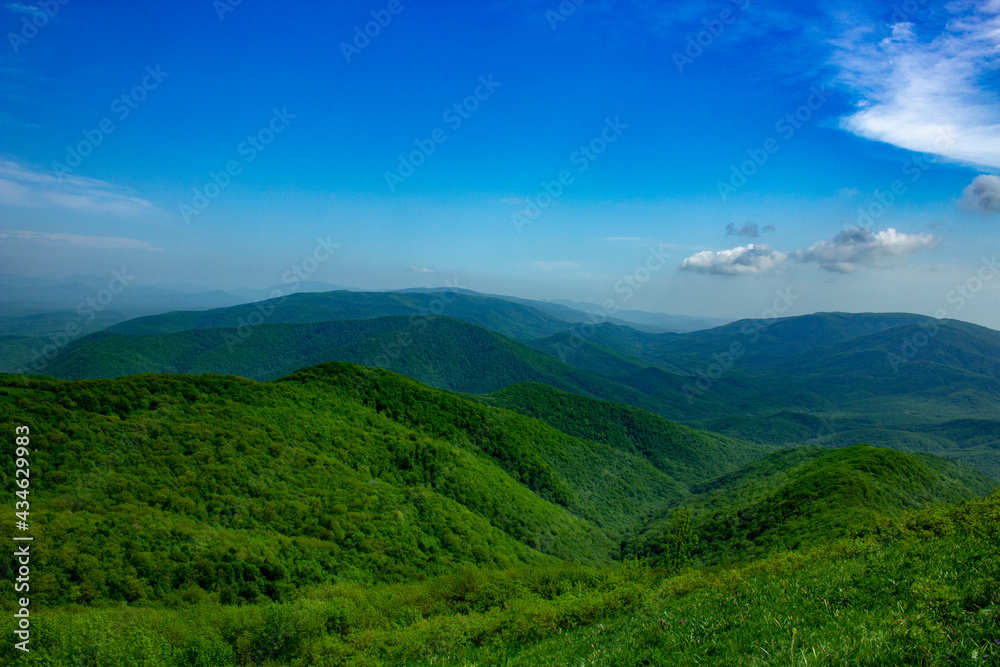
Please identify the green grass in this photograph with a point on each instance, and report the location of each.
(920, 589)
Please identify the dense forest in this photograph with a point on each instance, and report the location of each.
(350, 515)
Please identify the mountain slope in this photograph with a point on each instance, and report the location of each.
(511, 319)
(807, 495)
(770, 339)
(337, 472)
(443, 352)
(798, 383)
(687, 455)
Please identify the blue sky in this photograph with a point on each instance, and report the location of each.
(737, 142)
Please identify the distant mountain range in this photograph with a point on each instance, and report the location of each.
(895, 379)
(26, 303)
(678, 323)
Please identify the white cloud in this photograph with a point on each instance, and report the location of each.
(25, 188)
(982, 195)
(858, 246)
(752, 259)
(421, 269)
(928, 95)
(95, 242)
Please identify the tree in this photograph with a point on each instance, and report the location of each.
(683, 540)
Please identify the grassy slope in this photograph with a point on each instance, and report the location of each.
(921, 589)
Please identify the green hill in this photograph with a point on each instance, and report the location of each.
(345, 515)
(196, 488)
(769, 339)
(443, 352)
(511, 319)
(804, 496)
(686, 454)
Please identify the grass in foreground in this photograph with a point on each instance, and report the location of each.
(920, 589)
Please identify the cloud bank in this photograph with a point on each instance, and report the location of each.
(859, 247)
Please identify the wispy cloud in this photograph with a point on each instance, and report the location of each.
(23, 187)
(21, 8)
(748, 229)
(94, 242)
(930, 93)
(7, 119)
(421, 269)
(982, 195)
(859, 247)
(751, 259)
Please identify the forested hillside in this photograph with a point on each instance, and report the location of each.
(830, 378)
(348, 515)
(511, 319)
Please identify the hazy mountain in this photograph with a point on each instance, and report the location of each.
(678, 323)
(22, 296)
